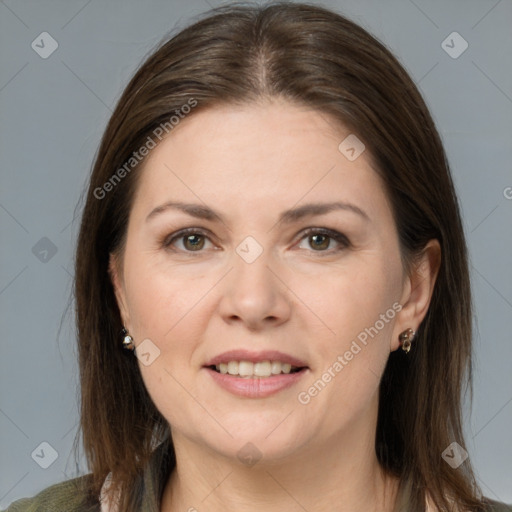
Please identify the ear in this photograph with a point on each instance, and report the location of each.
(417, 290)
(116, 276)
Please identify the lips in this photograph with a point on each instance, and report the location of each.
(255, 357)
(256, 387)
(255, 374)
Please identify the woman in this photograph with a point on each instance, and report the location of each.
(272, 290)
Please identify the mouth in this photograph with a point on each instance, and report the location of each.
(259, 370)
(257, 380)
(251, 374)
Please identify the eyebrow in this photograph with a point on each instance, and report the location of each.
(288, 216)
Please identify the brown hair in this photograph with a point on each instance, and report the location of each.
(311, 56)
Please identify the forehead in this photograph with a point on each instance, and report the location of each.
(258, 156)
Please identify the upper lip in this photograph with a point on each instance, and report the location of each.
(255, 357)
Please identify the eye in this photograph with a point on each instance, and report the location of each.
(192, 240)
(320, 239)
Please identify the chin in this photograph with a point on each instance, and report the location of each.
(259, 443)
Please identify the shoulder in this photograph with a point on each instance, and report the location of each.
(495, 506)
(68, 496)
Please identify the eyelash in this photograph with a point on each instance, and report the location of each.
(330, 233)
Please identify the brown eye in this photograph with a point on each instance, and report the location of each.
(319, 241)
(187, 241)
(193, 242)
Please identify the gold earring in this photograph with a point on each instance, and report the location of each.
(127, 340)
(405, 339)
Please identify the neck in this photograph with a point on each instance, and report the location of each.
(319, 478)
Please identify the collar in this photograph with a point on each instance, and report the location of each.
(153, 479)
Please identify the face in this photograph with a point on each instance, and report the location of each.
(258, 277)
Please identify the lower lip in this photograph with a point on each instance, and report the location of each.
(257, 387)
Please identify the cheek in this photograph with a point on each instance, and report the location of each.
(161, 300)
(355, 313)
(346, 300)
(168, 308)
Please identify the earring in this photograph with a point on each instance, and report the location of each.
(127, 340)
(405, 339)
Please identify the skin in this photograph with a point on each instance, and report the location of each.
(250, 163)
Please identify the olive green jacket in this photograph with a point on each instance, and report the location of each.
(69, 496)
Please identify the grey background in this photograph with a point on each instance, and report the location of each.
(53, 112)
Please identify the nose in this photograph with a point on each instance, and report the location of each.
(253, 295)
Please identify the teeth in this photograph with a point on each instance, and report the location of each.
(276, 367)
(263, 369)
(233, 367)
(246, 369)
